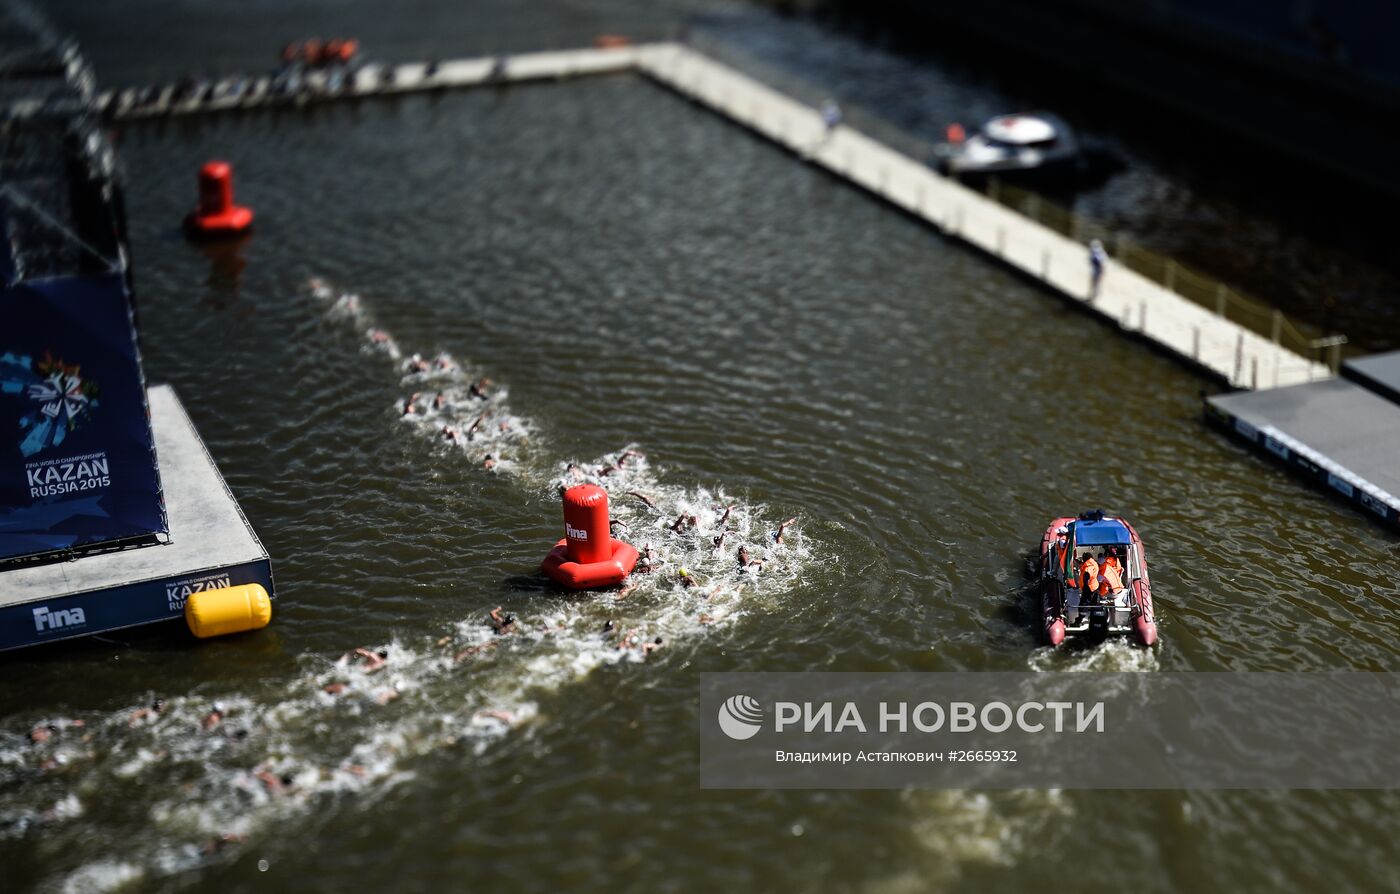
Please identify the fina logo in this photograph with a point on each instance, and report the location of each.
(47, 620)
(740, 717)
(575, 533)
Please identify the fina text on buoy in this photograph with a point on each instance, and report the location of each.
(589, 556)
(217, 216)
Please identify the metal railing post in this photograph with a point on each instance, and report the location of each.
(1277, 332)
(1239, 359)
(1169, 276)
(1221, 295)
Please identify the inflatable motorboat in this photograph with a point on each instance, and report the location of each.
(1079, 596)
(1009, 144)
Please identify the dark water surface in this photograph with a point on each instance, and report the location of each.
(637, 272)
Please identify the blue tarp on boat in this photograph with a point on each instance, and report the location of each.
(1109, 532)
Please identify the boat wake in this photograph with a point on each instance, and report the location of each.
(1114, 655)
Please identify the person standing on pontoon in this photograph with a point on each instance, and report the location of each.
(1097, 259)
(831, 116)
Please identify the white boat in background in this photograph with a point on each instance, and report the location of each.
(1009, 144)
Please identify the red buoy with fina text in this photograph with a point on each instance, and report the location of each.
(588, 556)
(217, 215)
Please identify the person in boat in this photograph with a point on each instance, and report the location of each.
(1110, 558)
(1062, 549)
(1110, 576)
(1088, 575)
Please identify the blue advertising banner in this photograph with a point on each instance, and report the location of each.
(77, 460)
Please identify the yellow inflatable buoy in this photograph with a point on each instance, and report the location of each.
(228, 610)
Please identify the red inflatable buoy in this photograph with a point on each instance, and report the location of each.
(588, 556)
(216, 214)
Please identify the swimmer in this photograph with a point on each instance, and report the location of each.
(614, 523)
(684, 519)
(782, 529)
(652, 646)
(745, 561)
(215, 845)
(275, 785)
(705, 619)
(501, 623)
(213, 718)
(333, 688)
(630, 640)
(629, 454)
(140, 715)
(416, 364)
(374, 661)
(719, 541)
(686, 579)
(609, 626)
(504, 426)
(451, 434)
(471, 430)
(444, 363)
(605, 471)
(409, 407)
(504, 716)
(439, 401)
(643, 497)
(489, 462)
(646, 564)
(41, 734)
(624, 592)
(478, 388)
(575, 471)
(380, 337)
(387, 695)
(725, 518)
(472, 650)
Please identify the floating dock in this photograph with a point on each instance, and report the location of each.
(1342, 433)
(369, 80)
(211, 546)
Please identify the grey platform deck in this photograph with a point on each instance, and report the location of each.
(1379, 373)
(1344, 436)
(211, 544)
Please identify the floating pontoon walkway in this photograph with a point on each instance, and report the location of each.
(1334, 429)
(327, 85)
(1126, 299)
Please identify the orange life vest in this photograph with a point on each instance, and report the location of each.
(1112, 578)
(1089, 575)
